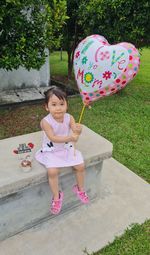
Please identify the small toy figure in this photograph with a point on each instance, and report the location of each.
(24, 153)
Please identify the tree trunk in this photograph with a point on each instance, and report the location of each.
(61, 54)
(70, 52)
(70, 64)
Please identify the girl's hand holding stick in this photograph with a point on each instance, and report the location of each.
(77, 132)
(78, 127)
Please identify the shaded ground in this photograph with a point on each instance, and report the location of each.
(20, 120)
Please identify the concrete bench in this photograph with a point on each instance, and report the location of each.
(25, 197)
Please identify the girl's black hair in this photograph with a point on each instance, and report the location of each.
(54, 91)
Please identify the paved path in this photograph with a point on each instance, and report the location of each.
(124, 200)
(19, 95)
(16, 96)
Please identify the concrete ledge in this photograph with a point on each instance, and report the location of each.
(94, 149)
(124, 200)
(25, 197)
(20, 95)
(16, 96)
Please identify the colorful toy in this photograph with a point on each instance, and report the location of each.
(24, 153)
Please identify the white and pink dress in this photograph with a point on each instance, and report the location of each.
(58, 154)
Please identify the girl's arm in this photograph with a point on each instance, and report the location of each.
(54, 138)
(75, 127)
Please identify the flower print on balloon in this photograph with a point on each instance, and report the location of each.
(107, 75)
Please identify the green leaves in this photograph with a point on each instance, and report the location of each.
(27, 28)
(117, 20)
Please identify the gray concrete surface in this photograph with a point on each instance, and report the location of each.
(124, 200)
(14, 96)
(22, 96)
(12, 179)
(21, 193)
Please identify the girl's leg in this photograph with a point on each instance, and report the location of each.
(80, 173)
(53, 182)
(79, 188)
(57, 199)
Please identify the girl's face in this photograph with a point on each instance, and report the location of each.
(57, 107)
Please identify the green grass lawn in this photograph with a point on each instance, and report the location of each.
(122, 118)
(57, 66)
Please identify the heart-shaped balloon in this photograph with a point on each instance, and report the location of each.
(102, 69)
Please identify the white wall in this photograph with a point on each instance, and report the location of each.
(21, 78)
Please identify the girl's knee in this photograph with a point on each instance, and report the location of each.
(52, 172)
(80, 168)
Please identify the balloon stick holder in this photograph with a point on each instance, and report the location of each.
(80, 118)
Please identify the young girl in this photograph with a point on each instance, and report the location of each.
(57, 150)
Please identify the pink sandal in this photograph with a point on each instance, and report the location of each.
(56, 205)
(81, 194)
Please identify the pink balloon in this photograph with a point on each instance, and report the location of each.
(102, 69)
